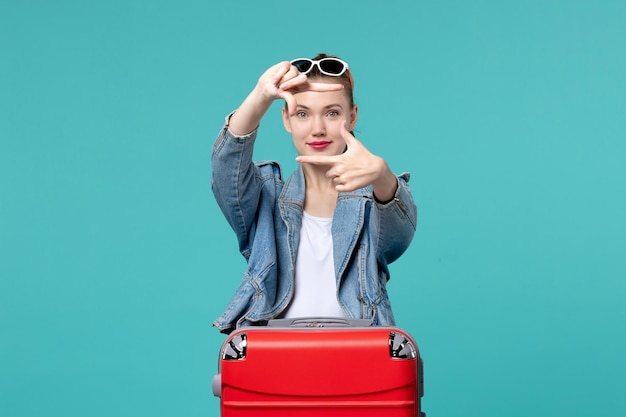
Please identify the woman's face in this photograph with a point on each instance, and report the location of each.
(316, 125)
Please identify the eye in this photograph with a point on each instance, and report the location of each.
(333, 113)
(300, 114)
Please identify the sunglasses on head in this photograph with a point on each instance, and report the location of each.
(327, 66)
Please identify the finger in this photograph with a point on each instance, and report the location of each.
(281, 69)
(346, 186)
(296, 80)
(301, 83)
(322, 87)
(317, 159)
(342, 188)
(335, 173)
(290, 100)
(347, 136)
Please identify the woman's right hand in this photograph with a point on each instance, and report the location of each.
(280, 81)
(283, 80)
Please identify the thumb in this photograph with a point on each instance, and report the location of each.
(347, 136)
(289, 100)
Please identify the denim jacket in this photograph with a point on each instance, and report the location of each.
(265, 212)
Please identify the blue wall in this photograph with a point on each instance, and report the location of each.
(114, 258)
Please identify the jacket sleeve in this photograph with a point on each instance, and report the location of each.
(397, 222)
(235, 182)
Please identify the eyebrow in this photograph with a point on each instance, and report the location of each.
(325, 107)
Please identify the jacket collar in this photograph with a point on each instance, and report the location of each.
(293, 191)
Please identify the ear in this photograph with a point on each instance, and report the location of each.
(354, 116)
(286, 121)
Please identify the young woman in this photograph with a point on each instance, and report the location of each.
(319, 243)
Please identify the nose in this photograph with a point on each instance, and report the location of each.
(319, 127)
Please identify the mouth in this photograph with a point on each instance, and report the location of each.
(319, 145)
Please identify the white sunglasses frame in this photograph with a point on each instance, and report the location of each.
(315, 62)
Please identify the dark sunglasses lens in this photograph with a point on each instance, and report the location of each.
(302, 65)
(331, 66)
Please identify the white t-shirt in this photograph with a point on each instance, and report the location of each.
(315, 293)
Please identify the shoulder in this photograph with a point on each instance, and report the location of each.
(269, 168)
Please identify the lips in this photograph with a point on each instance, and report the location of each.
(319, 145)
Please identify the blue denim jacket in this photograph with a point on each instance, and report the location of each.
(265, 212)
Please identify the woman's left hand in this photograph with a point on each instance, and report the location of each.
(356, 168)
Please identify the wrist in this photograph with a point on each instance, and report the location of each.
(249, 114)
(261, 97)
(386, 185)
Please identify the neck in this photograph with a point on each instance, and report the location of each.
(316, 179)
(320, 196)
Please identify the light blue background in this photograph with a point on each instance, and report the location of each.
(114, 258)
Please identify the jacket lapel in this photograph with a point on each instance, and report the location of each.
(291, 205)
(351, 210)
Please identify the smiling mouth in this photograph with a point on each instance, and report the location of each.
(322, 144)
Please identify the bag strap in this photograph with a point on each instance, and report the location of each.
(320, 322)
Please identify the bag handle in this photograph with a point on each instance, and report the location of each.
(320, 322)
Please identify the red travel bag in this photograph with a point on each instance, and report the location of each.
(313, 367)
